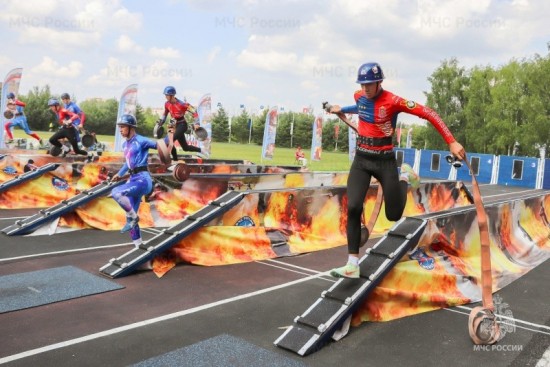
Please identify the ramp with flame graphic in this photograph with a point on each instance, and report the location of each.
(136, 257)
(317, 325)
(28, 176)
(29, 224)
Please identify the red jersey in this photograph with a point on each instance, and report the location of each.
(66, 117)
(378, 116)
(177, 110)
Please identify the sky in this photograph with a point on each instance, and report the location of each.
(287, 53)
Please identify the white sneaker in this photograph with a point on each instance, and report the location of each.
(64, 151)
(203, 155)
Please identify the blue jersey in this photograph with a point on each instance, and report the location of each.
(20, 110)
(136, 152)
(73, 107)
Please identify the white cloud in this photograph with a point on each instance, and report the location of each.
(78, 23)
(301, 56)
(309, 85)
(237, 83)
(48, 66)
(270, 60)
(126, 44)
(108, 15)
(213, 54)
(164, 53)
(114, 73)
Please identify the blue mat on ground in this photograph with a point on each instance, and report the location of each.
(36, 288)
(221, 350)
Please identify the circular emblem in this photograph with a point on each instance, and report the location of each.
(60, 184)
(411, 104)
(9, 170)
(245, 221)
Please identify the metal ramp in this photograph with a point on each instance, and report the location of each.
(29, 224)
(19, 179)
(131, 260)
(316, 326)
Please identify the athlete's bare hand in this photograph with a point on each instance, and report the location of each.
(457, 150)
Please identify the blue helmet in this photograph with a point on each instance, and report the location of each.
(169, 91)
(128, 120)
(10, 95)
(53, 102)
(371, 72)
(65, 96)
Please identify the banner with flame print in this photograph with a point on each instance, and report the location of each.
(445, 268)
(297, 212)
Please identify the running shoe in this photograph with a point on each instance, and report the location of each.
(347, 271)
(408, 174)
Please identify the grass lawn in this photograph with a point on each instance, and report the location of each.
(331, 161)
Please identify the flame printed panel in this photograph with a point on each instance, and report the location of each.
(297, 212)
(445, 269)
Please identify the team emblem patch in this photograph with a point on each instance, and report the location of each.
(245, 221)
(9, 170)
(60, 184)
(425, 261)
(382, 112)
(410, 104)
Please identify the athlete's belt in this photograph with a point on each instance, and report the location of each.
(137, 170)
(374, 142)
(374, 153)
(180, 121)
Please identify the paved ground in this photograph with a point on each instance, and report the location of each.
(253, 303)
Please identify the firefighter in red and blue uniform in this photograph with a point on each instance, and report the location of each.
(19, 119)
(177, 110)
(377, 110)
(67, 129)
(69, 105)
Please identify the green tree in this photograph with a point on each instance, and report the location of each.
(239, 127)
(101, 115)
(505, 116)
(220, 125)
(447, 98)
(146, 120)
(479, 100)
(38, 115)
(535, 102)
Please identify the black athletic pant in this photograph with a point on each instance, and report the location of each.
(384, 169)
(70, 133)
(179, 135)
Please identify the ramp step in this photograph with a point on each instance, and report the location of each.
(44, 216)
(297, 339)
(129, 261)
(317, 324)
(373, 265)
(389, 247)
(321, 314)
(27, 176)
(407, 227)
(347, 290)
